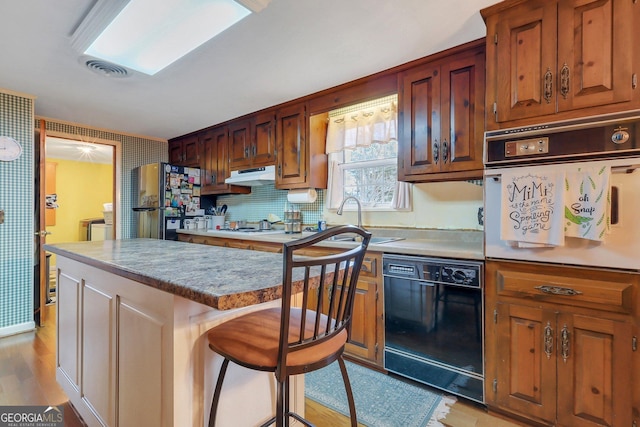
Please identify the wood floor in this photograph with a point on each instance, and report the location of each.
(27, 371)
(27, 377)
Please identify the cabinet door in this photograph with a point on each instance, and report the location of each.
(525, 63)
(362, 339)
(216, 154)
(419, 131)
(175, 152)
(216, 164)
(264, 139)
(240, 144)
(208, 172)
(191, 150)
(69, 304)
(594, 361)
(526, 373)
(291, 157)
(462, 114)
(594, 53)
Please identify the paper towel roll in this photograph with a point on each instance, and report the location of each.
(307, 195)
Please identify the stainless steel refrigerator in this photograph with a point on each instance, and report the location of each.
(166, 194)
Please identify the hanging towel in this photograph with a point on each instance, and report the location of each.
(587, 207)
(532, 207)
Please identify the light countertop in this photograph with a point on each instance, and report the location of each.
(458, 244)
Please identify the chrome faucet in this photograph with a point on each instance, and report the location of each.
(339, 212)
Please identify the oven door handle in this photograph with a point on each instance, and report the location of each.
(496, 176)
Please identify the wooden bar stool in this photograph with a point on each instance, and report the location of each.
(316, 332)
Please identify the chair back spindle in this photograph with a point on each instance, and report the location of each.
(331, 280)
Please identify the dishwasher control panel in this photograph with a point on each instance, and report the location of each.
(434, 270)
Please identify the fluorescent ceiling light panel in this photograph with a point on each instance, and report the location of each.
(148, 35)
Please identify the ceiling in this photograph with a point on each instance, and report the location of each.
(290, 49)
(58, 148)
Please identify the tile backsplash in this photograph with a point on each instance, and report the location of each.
(440, 205)
(266, 199)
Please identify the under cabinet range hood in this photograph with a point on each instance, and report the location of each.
(251, 177)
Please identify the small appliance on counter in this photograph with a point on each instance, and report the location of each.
(292, 221)
(166, 196)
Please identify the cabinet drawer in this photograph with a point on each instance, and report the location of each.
(596, 289)
(369, 266)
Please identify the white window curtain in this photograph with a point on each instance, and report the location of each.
(361, 128)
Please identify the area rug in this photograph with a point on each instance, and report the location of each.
(381, 400)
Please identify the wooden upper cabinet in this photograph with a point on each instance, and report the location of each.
(185, 151)
(252, 141)
(240, 144)
(595, 45)
(291, 145)
(442, 117)
(300, 158)
(526, 54)
(548, 57)
(215, 167)
(263, 139)
(420, 127)
(175, 152)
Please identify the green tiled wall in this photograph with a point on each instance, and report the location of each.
(265, 199)
(16, 199)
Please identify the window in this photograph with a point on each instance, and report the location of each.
(370, 174)
(363, 154)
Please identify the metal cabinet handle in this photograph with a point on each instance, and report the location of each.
(564, 343)
(246, 152)
(436, 152)
(548, 85)
(445, 151)
(255, 150)
(557, 290)
(548, 340)
(280, 171)
(42, 233)
(213, 178)
(564, 81)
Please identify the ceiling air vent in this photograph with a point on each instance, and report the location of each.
(105, 68)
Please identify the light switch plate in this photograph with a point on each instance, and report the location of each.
(1, 216)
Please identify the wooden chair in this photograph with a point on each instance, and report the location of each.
(316, 331)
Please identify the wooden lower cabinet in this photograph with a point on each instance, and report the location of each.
(367, 327)
(561, 344)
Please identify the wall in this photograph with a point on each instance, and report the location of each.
(136, 151)
(438, 205)
(78, 198)
(16, 234)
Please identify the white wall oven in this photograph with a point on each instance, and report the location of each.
(566, 159)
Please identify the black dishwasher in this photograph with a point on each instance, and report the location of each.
(433, 322)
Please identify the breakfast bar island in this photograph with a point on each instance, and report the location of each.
(132, 317)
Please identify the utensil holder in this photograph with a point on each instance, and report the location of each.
(217, 222)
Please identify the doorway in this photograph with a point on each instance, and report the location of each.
(79, 185)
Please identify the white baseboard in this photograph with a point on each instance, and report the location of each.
(17, 329)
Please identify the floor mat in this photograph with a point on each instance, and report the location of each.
(381, 400)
